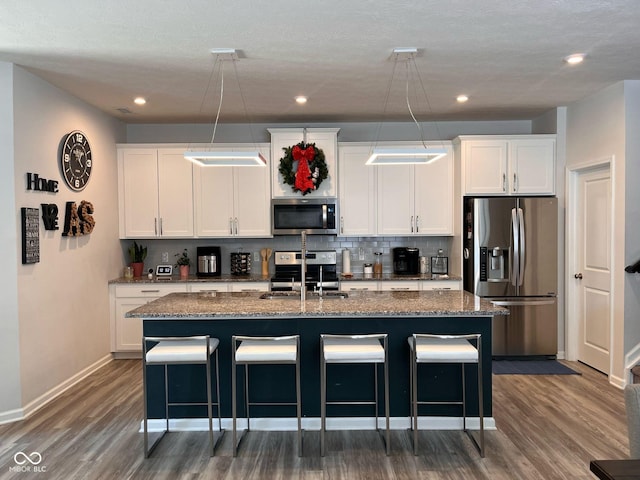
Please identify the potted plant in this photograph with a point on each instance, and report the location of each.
(183, 262)
(137, 254)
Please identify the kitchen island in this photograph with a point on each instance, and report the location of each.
(399, 314)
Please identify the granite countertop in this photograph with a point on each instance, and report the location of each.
(191, 279)
(260, 278)
(358, 304)
(394, 277)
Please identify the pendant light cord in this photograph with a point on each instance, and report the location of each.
(424, 144)
(215, 125)
(426, 97)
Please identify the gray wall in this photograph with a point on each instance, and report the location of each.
(349, 132)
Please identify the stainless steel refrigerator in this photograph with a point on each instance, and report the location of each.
(510, 258)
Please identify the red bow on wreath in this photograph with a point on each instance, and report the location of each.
(303, 174)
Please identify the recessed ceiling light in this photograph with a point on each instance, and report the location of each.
(139, 100)
(301, 99)
(574, 59)
(462, 98)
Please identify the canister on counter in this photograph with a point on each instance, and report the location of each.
(424, 265)
(368, 270)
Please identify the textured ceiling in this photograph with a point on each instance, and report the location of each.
(505, 54)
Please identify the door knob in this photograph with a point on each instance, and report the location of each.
(578, 276)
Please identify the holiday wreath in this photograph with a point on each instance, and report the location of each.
(303, 167)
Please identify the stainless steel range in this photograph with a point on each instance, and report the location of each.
(321, 266)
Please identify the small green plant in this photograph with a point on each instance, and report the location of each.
(137, 253)
(183, 258)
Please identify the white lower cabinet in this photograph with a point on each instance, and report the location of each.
(126, 333)
(441, 285)
(365, 285)
(399, 285)
(249, 286)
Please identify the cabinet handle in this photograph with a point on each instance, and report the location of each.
(155, 226)
(504, 182)
(160, 226)
(417, 223)
(341, 224)
(235, 225)
(249, 290)
(399, 288)
(209, 291)
(411, 223)
(515, 183)
(230, 226)
(149, 291)
(354, 289)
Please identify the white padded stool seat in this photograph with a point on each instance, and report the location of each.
(444, 350)
(353, 350)
(194, 351)
(275, 350)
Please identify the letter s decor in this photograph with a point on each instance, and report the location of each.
(78, 221)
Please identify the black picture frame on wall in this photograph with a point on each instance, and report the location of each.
(30, 235)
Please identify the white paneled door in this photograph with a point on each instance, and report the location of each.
(593, 273)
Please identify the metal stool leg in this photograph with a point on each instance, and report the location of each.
(234, 410)
(386, 396)
(323, 397)
(299, 399)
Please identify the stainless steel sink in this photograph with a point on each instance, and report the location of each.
(310, 295)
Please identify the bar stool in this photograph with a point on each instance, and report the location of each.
(194, 350)
(426, 348)
(266, 351)
(354, 349)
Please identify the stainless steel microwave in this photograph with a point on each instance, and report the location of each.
(290, 216)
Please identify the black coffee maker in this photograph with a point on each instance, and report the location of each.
(406, 261)
(209, 264)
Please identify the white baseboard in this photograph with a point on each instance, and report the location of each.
(11, 416)
(310, 423)
(42, 400)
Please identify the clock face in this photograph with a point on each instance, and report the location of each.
(75, 160)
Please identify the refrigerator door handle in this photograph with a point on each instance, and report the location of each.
(523, 251)
(515, 261)
(517, 303)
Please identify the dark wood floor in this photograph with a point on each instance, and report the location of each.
(549, 427)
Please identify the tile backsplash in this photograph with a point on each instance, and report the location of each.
(361, 248)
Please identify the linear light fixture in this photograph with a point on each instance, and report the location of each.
(220, 158)
(226, 159)
(404, 156)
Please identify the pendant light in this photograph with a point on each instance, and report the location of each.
(400, 155)
(218, 158)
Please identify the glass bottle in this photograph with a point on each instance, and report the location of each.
(377, 266)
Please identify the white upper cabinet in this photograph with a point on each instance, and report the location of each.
(394, 199)
(508, 165)
(326, 139)
(357, 206)
(155, 193)
(233, 201)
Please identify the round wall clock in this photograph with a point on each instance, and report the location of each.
(75, 160)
